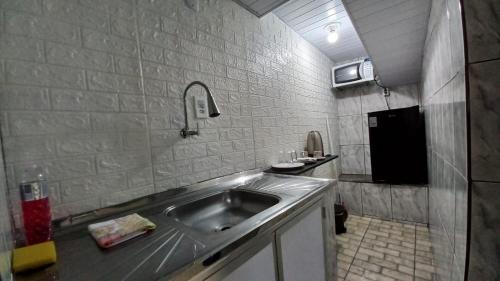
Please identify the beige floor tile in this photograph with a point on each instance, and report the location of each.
(378, 250)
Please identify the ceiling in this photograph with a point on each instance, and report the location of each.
(260, 7)
(309, 18)
(393, 32)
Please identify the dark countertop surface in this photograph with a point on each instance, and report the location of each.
(173, 251)
(305, 168)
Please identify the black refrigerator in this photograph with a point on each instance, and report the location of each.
(397, 146)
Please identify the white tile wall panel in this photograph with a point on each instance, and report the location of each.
(6, 241)
(443, 99)
(354, 104)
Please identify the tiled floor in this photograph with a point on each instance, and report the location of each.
(374, 249)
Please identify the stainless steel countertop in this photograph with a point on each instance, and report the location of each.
(173, 250)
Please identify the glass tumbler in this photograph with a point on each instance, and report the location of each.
(318, 154)
(282, 157)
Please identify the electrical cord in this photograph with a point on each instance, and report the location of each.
(387, 92)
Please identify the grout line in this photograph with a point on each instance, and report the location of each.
(361, 198)
(482, 61)
(415, 252)
(390, 193)
(484, 181)
(357, 248)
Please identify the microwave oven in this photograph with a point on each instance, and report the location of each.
(352, 73)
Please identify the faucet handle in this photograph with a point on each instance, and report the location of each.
(186, 132)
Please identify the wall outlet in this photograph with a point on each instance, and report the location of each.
(201, 107)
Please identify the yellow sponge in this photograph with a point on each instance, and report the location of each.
(34, 256)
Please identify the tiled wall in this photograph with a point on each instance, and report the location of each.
(92, 91)
(390, 202)
(482, 19)
(5, 230)
(353, 106)
(443, 98)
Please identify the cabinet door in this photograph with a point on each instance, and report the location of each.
(260, 267)
(301, 248)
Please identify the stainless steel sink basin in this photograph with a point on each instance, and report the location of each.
(221, 211)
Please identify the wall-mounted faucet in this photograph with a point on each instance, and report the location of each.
(213, 110)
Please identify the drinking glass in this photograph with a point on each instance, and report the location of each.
(282, 157)
(318, 154)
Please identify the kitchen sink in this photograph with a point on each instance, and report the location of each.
(221, 211)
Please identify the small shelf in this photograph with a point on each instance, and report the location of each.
(306, 167)
(368, 179)
(356, 178)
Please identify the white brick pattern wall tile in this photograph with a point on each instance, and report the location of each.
(92, 91)
(6, 243)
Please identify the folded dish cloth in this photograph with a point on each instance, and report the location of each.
(113, 232)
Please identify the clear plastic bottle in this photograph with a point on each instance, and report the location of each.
(37, 218)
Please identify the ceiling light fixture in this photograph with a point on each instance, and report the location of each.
(332, 37)
(331, 12)
(333, 34)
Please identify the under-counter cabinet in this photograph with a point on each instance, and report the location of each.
(260, 266)
(295, 252)
(301, 248)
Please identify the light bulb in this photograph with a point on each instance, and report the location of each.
(332, 37)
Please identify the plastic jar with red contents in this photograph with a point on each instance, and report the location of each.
(37, 218)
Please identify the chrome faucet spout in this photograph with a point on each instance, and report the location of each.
(213, 110)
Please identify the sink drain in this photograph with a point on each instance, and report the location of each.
(223, 228)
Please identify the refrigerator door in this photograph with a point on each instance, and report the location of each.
(397, 146)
